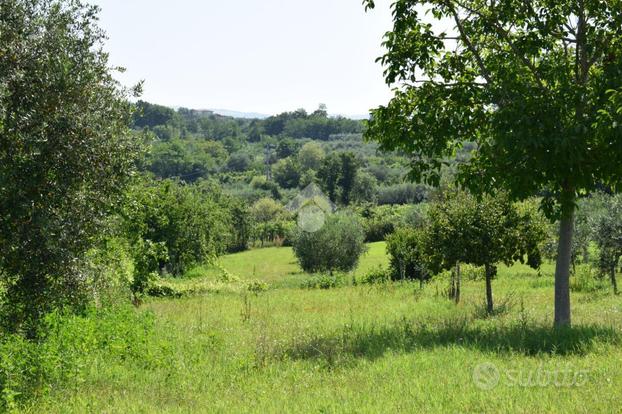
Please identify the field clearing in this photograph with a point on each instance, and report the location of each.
(278, 267)
(365, 348)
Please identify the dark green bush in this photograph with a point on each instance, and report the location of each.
(338, 245)
(406, 255)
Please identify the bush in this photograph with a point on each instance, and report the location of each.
(277, 232)
(406, 255)
(378, 228)
(107, 274)
(172, 227)
(336, 246)
(240, 225)
(256, 286)
(324, 281)
(376, 276)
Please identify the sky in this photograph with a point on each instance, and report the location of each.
(264, 56)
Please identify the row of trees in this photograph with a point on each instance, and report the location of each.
(459, 228)
(167, 123)
(456, 229)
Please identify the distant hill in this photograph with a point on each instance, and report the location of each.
(257, 115)
(237, 114)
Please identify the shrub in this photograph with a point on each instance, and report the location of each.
(378, 228)
(110, 272)
(324, 281)
(406, 255)
(376, 276)
(173, 226)
(256, 286)
(277, 232)
(240, 225)
(338, 245)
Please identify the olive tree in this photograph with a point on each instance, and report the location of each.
(608, 236)
(338, 245)
(66, 152)
(535, 85)
(484, 233)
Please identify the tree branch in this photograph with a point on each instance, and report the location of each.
(446, 84)
(469, 44)
(506, 36)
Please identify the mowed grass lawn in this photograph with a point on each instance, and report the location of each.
(367, 349)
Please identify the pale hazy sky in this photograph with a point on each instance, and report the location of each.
(263, 56)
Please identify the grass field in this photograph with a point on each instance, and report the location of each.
(384, 348)
(278, 267)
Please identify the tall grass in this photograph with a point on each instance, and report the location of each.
(389, 347)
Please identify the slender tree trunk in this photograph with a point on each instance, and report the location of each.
(489, 303)
(562, 267)
(452, 288)
(614, 282)
(457, 298)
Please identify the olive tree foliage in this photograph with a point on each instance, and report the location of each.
(582, 234)
(338, 245)
(66, 152)
(608, 236)
(535, 85)
(484, 233)
(407, 257)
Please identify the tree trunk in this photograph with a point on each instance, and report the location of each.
(489, 303)
(452, 287)
(614, 282)
(457, 298)
(562, 267)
